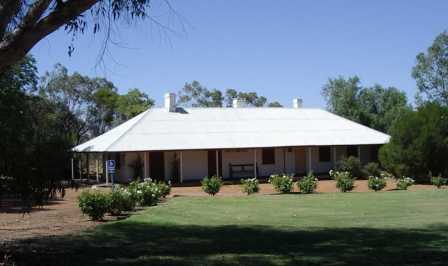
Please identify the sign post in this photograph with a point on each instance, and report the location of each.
(111, 170)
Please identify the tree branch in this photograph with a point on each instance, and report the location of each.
(23, 39)
(34, 13)
(8, 9)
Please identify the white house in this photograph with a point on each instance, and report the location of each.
(186, 144)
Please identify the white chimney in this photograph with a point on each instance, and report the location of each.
(297, 103)
(170, 102)
(238, 103)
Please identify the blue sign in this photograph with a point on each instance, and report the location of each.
(111, 166)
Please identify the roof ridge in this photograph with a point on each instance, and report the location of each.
(127, 130)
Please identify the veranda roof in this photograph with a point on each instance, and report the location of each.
(157, 129)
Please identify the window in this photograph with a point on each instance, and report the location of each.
(268, 155)
(352, 151)
(324, 154)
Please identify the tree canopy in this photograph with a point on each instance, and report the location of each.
(95, 103)
(419, 142)
(431, 71)
(376, 106)
(34, 137)
(194, 94)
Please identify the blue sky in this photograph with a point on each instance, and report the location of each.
(280, 49)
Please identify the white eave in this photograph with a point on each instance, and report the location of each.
(158, 129)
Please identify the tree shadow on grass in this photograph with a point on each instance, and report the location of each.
(132, 243)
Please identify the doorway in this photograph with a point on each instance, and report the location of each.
(157, 165)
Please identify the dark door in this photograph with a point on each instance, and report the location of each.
(157, 165)
(212, 163)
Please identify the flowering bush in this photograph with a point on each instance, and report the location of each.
(404, 182)
(120, 200)
(344, 181)
(281, 183)
(249, 185)
(151, 193)
(146, 193)
(438, 181)
(308, 183)
(94, 203)
(376, 183)
(136, 194)
(211, 185)
(165, 188)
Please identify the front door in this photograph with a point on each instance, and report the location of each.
(212, 163)
(157, 165)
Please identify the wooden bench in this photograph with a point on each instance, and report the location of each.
(242, 170)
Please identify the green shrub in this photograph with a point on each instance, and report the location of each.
(151, 193)
(165, 188)
(136, 193)
(351, 165)
(94, 203)
(211, 185)
(281, 183)
(371, 169)
(404, 182)
(120, 201)
(308, 183)
(376, 183)
(146, 193)
(344, 181)
(438, 181)
(249, 185)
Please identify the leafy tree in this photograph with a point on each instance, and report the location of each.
(375, 107)
(342, 96)
(230, 94)
(102, 109)
(34, 147)
(195, 95)
(275, 104)
(94, 103)
(74, 92)
(252, 98)
(419, 142)
(25, 23)
(132, 104)
(431, 71)
(379, 106)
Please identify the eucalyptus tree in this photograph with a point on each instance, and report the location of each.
(24, 23)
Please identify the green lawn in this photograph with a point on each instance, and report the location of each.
(384, 228)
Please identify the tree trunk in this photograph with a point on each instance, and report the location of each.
(23, 39)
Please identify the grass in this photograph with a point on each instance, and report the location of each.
(384, 228)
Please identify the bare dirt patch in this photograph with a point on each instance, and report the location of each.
(324, 186)
(59, 217)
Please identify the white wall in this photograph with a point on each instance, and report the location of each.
(246, 156)
(241, 156)
(316, 165)
(194, 165)
(169, 157)
(278, 167)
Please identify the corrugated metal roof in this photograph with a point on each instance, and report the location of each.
(221, 128)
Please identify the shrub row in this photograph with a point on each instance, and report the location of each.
(96, 203)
